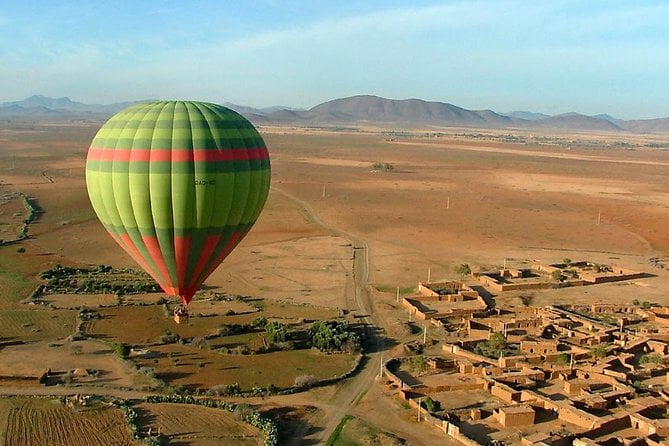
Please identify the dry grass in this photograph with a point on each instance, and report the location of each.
(194, 368)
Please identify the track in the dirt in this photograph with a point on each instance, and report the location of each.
(347, 397)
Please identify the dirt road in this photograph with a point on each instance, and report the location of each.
(345, 400)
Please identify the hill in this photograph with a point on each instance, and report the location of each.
(357, 109)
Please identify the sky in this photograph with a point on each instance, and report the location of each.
(550, 56)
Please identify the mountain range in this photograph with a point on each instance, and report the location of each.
(361, 109)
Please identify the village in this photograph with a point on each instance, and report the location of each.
(590, 374)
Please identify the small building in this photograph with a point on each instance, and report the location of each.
(515, 416)
(539, 347)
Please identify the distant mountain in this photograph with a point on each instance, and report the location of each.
(356, 109)
(527, 115)
(607, 117)
(38, 105)
(367, 108)
(575, 121)
(646, 125)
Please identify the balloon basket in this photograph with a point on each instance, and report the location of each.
(181, 315)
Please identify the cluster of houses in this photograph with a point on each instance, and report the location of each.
(574, 374)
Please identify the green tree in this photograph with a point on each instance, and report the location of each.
(276, 331)
(556, 275)
(599, 351)
(121, 350)
(463, 269)
(566, 261)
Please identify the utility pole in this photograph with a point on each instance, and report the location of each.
(381, 367)
(429, 274)
(425, 334)
(504, 262)
(599, 218)
(397, 298)
(409, 315)
(420, 401)
(448, 202)
(324, 191)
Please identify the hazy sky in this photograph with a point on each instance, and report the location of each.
(551, 56)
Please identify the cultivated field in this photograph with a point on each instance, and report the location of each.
(202, 427)
(32, 422)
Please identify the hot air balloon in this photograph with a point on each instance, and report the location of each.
(178, 184)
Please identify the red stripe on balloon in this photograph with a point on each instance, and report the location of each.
(227, 249)
(176, 155)
(157, 256)
(181, 249)
(207, 250)
(128, 246)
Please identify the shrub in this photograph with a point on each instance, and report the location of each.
(556, 275)
(199, 342)
(21, 250)
(169, 338)
(276, 331)
(431, 405)
(463, 269)
(598, 351)
(305, 380)
(652, 358)
(418, 364)
(259, 322)
(121, 350)
(563, 358)
(334, 335)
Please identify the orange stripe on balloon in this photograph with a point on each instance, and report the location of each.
(176, 155)
(157, 256)
(207, 250)
(229, 246)
(181, 250)
(128, 246)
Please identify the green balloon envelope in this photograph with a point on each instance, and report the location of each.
(178, 184)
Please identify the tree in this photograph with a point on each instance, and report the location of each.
(599, 351)
(556, 275)
(636, 302)
(334, 335)
(463, 269)
(121, 350)
(566, 261)
(563, 359)
(497, 341)
(276, 331)
(651, 358)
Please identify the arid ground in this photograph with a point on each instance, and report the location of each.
(458, 196)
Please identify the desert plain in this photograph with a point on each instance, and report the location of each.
(337, 237)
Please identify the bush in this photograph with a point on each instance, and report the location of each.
(463, 269)
(169, 338)
(652, 358)
(431, 405)
(563, 359)
(383, 167)
(598, 351)
(21, 250)
(259, 322)
(418, 364)
(199, 342)
(121, 350)
(305, 380)
(493, 347)
(556, 275)
(334, 336)
(276, 332)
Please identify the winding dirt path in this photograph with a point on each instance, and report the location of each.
(347, 397)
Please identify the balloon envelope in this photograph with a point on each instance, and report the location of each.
(178, 184)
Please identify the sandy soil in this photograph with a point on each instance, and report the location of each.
(34, 359)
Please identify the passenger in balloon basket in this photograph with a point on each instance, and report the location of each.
(181, 314)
